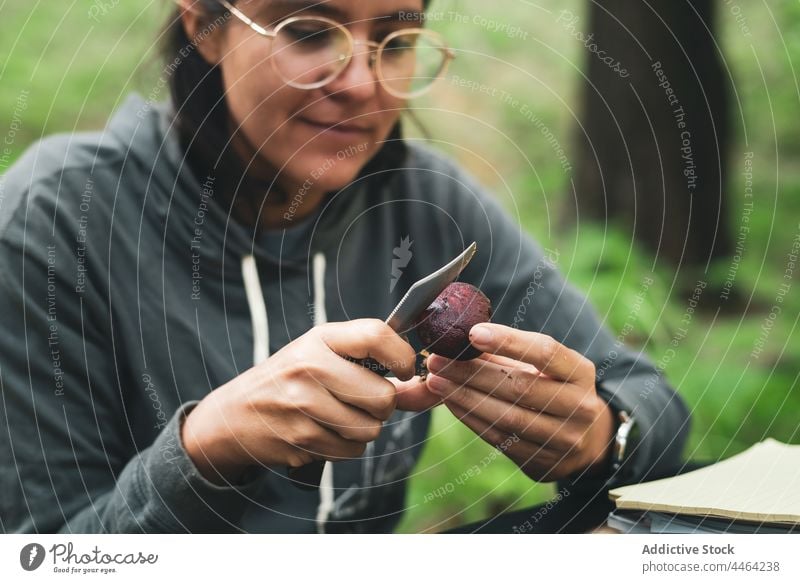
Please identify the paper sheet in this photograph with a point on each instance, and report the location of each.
(759, 484)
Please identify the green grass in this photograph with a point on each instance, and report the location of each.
(76, 71)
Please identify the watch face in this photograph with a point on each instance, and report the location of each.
(623, 438)
(633, 429)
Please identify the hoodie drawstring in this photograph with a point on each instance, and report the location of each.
(321, 317)
(258, 309)
(258, 316)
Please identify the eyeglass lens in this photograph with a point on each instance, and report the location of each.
(411, 62)
(309, 53)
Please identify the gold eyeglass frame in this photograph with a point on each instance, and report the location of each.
(375, 56)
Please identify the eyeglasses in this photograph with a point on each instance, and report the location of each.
(309, 52)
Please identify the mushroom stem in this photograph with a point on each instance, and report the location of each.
(424, 372)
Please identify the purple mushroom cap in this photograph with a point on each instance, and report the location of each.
(444, 326)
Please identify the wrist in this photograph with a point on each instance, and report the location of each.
(205, 448)
(607, 425)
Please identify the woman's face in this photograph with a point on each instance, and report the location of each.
(290, 127)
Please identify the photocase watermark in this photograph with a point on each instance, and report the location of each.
(402, 255)
(172, 66)
(316, 174)
(169, 450)
(548, 261)
(15, 126)
(741, 20)
(53, 339)
(627, 327)
(152, 393)
(522, 108)
(540, 513)
(101, 8)
(783, 289)
(687, 154)
(206, 195)
(678, 337)
(66, 560)
(507, 29)
(688, 314)
(472, 472)
(95, 561)
(744, 228)
(81, 238)
(569, 21)
(20, 105)
(32, 556)
(483, 88)
(311, 311)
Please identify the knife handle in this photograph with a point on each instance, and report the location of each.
(309, 476)
(370, 364)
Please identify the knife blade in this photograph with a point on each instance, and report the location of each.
(420, 295)
(402, 319)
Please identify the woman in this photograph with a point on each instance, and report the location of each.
(168, 286)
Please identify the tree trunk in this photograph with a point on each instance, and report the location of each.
(653, 141)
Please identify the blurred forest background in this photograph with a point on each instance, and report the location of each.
(516, 108)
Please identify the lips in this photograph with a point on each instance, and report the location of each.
(342, 129)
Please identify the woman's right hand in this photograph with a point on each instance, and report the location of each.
(306, 402)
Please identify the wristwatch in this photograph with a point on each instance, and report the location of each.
(626, 424)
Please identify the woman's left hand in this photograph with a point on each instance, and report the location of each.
(535, 391)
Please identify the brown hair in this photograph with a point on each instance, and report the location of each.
(201, 117)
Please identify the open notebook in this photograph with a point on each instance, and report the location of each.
(760, 484)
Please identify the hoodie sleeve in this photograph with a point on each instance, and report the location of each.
(528, 292)
(68, 462)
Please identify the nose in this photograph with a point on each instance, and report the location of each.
(358, 81)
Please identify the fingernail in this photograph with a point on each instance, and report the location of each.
(435, 363)
(437, 385)
(480, 335)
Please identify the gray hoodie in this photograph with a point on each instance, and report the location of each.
(129, 294)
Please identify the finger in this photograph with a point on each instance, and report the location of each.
(490, 434)
(348, 422)
(540, 350)
(369, 338)
(316, 442)
(520, 383)
(502, 360)
(355, 385)
(414, 395)
(519, 450)
(536, 426)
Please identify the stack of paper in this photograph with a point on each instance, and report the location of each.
(759, 487)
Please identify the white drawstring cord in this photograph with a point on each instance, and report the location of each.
(258, 309)
(320, 315)
(326, 491)
(258, 316)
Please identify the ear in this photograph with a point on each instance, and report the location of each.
(203, 33)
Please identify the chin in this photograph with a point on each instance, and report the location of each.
(328, 173)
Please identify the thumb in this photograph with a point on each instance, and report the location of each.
(413, 395)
